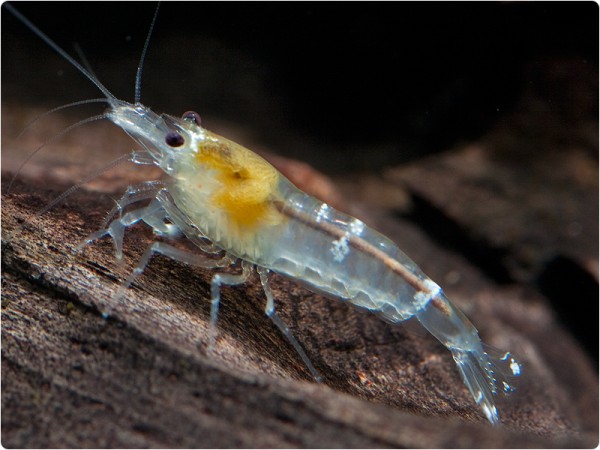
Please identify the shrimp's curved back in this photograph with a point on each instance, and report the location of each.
(234, 206)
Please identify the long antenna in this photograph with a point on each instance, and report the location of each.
(59, 108)
(52, 139)
(58, 50)
(138, 75)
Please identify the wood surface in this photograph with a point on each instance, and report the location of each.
(143, 378)
(502, 212)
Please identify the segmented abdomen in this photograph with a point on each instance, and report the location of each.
(339, 255)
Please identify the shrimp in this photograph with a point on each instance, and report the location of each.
(236, 207)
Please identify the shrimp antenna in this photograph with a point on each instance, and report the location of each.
(84, 60)
(59, 50)
(52, 139)
(95, 174)
(138, 75)
(59, 108)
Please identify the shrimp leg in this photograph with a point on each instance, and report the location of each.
(133, 194)
(116, 228)
(191, 232)
(215, 295)
(162, 248)
(270, 312)
(154, 215)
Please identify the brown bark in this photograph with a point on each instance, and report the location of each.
(143, 377)
(526, 192)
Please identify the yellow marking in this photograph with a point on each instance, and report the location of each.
(247, 182)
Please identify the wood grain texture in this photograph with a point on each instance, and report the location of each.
(143, 377)
(480, 161)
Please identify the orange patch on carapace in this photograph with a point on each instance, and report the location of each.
(247, 183)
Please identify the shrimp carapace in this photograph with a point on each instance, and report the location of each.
(234, 206)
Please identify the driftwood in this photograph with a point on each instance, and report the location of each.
(143, 376)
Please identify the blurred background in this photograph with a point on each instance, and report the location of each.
(405, 79)
(477, 122)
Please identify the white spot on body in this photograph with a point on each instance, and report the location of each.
(356, 227)
(322, 213)
(515, 367)
(340, 248)
(422, 297)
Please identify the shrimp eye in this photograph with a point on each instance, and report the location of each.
(174, 139)
(191, 116)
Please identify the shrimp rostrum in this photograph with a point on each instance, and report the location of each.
(229, 201)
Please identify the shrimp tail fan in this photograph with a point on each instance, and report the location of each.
(486, 372)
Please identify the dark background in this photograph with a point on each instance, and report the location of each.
(410, 78)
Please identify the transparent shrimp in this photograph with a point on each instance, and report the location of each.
(233, 205)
